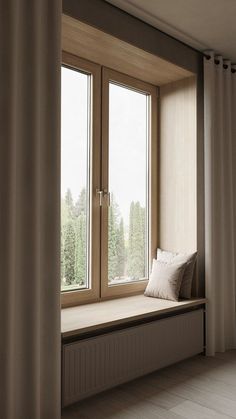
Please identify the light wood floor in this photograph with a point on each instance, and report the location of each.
(198, 388)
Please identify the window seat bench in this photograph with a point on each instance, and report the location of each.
(111, 342)
(88, 318)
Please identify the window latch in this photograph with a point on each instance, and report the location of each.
(102, 193)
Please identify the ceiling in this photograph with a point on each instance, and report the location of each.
(202, 24)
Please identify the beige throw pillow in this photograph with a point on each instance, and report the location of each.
(190, 260)
(165, 280)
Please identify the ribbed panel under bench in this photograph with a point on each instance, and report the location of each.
(92, 365)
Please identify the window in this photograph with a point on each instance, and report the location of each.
(75, 179)
(108, 182)
(128, 185)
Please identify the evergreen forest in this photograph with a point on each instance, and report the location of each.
(126, 243)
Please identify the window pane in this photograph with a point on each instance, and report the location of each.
(75, 118)
(128, 212)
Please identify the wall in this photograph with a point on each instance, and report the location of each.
(177, 165)
(179, 224)
(177, 162)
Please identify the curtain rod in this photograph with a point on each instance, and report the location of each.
(225, 66)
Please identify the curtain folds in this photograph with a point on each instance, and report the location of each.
(220, 203)
(29, 209)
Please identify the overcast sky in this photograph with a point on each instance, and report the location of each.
(127, 140)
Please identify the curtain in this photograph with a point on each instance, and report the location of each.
(220, 202)
(29, 209)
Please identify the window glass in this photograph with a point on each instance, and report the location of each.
(128, 185)
(75, 193)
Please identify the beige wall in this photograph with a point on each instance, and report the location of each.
(178, 160)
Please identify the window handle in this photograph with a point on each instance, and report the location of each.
(101, 193)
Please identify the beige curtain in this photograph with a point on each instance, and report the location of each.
(29, 209)
(220, 200)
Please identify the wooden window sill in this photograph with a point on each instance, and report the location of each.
(88, 318)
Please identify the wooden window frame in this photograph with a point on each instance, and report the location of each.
(92, 294)
(99, 289)
(109, 75)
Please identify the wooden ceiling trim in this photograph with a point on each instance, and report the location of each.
(95, 45)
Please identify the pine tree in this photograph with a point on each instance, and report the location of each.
(68, 240)
(81, 239)
(69, 253)
(130, 240)
(112, 239)
(139, 245)
(80, 205)
(80, 256)
(136, 244)
(69, 203)
(74, 241)
(120, 250)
